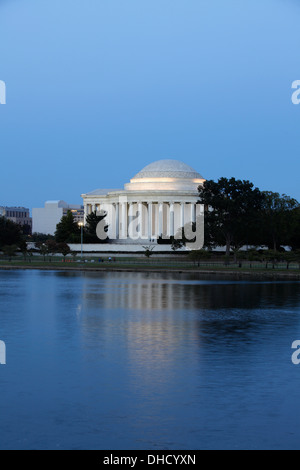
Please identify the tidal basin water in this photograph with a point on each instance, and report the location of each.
(147, 361)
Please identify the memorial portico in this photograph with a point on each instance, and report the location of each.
(156, 202)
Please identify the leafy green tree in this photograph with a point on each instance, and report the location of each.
(227, 260)
(10, 251)
(64, 249)
(51, 248)
(254, 255)
(41, 237)
(276, 221)
(290, 257)
(273, 257)
(199, 255)
(90, 230)
(42, 247)
(26, 230)
(239, 257)
(67, 230)
(294, 235)
(231, 208)
(23, 248)
(10, 233)
(297, 254)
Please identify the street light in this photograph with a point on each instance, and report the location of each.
(81, 224)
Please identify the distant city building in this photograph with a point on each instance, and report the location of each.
(45, 219)
(18, 215)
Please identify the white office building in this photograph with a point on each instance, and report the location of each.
(45, 219)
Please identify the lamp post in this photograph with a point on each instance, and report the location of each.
(81, 226)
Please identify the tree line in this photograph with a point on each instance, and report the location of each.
(13, 239)
(68, 231)
(237, 215)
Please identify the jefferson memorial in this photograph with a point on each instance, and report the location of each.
(161, 198)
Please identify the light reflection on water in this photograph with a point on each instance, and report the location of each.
(147, 361)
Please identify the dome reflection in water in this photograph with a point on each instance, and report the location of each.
(148, 361)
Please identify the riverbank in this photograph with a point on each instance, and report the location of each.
(273, 274)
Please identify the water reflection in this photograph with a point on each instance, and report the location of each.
(135, 361)
(145, 292)
(167, 318)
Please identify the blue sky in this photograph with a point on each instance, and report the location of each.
(98, 89)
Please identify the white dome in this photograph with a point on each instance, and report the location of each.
(166, 175)
(168, 169)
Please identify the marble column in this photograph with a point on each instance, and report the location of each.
(140, 219)
(193, 212)
(182, 207)
(124, 220)
(150, 215)
(117, 220)
(172, 225)
(131, 222)
(160, 219)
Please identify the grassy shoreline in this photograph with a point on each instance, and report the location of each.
(231, 271)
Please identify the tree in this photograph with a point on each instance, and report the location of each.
(41, 237)
(290, 257)
(297, 254)
(92, 221)
(231, 207)
(42, 249)
(26, 229)
(23, 248)
(148, 251)
(64, 249)
(273, 257)
(294, 236)
(240, 257)
(10, 233)
(277, 221)
(51, 248)
(199, 255)
(67, 230)
(10, 251)
(254, 255)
